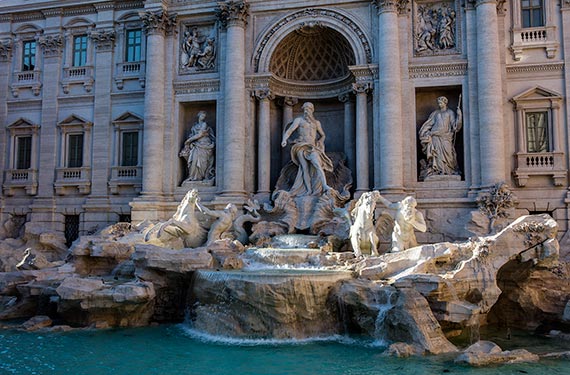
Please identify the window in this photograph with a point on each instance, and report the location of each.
(537, 131)
(133, 45)
(80, 50)
(532, 12)
(24, 152)
(71, 229)
(29, 55)
(130, 149)
(75, 151)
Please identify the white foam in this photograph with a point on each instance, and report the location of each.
(224, 340)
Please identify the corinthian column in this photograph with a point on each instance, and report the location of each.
(388, 153)
(233, 16)
(361, 90)
(264, 143)
(156, 24)
(490, 96)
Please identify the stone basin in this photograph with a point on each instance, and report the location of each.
(276, 303)
(292, 256)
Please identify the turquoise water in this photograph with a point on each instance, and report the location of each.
(172, 350)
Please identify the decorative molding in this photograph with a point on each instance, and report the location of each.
(346, 97)
(565, 4)
(438, 70)
(196, 87)
(362, 87)
(129, 4)
(104, 39)
(290, 101)
(311, 14)
(28, 16)
(158, 22)
(52, 45)
(233, 13)
(400, 6)
(109, 5)
(535, 68)
(78, 11)
(470, 4)
(6, 46)
(52, 12)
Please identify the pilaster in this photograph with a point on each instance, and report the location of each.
(264, 98)
(361, 90)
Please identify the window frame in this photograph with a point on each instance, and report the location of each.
(80, 51)
(525, 37)
(133, 46)
(26, 162)
(532, 9)
(29, 55)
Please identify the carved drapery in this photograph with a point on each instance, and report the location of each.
(400, 6)
(52, 45)
(158, 22)
(6, 49)
(233, 13)
(104, 39)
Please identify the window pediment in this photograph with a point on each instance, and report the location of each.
(23, 124)
(75, 121)
(128, 118)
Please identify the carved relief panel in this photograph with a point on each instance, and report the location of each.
(198, 48)
(436, 28)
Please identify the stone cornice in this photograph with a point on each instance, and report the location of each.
(400, 6)
(158, 22)
(6, 49)
(52, 12)
(104, 39)
(77, 11)
(52, 45)
(233, 13)
(536, 68)
(28, 16)
(437, 70)
(109, 5)
(129, 4)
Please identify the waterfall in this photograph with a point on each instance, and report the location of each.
(383, 309)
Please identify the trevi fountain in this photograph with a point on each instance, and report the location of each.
(299, 284)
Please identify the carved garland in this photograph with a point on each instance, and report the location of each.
(6, 49)
(52, 45)
(104, 39)
(400, 6)
(313, 13)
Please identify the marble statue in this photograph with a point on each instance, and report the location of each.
(198, 52)
(223, 225)
(437, 137)
(198, 151)
(183, 225)
(363, 237)
(406, 218)
(308, 153)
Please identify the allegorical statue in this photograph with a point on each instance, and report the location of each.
(406, 219)
(308, 153)
(437, 137)
(198, 151)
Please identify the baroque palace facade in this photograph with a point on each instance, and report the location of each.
(113, 110)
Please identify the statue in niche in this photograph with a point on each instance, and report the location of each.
(435, 28)
(198, 151)
(198, 52)
(437, 137)
(308, 153)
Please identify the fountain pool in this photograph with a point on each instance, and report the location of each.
(175, 349)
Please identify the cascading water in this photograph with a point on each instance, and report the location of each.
(386, 304)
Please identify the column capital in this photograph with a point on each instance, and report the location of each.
(499, 3)
(565, 4)
(158, 22)
(345, 97)
(104, 39)
(362, 87)
(290, 101)
(52, 45)
(400, 6)
(233, 13)
(264, 94)
(6, 46)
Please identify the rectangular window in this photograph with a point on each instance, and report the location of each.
(75, 151)
(130, 149)
(23, 152)
(80, 50)
(532, 13)
(71, 229)
(29, 55)
(537, 132)
(134, 45)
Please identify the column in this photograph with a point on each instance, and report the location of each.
(388, 153)
(233, 16)
(361, 90)
(6, 46)
(288, 104)
(156, 24)
(490, 96)
(264, 143)
(104, 41)
(349, 136)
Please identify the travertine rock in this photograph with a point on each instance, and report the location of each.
(177, 261)
(403, 350)
(37, 322)
(98, 255)
(485, 353)
(83, 301)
